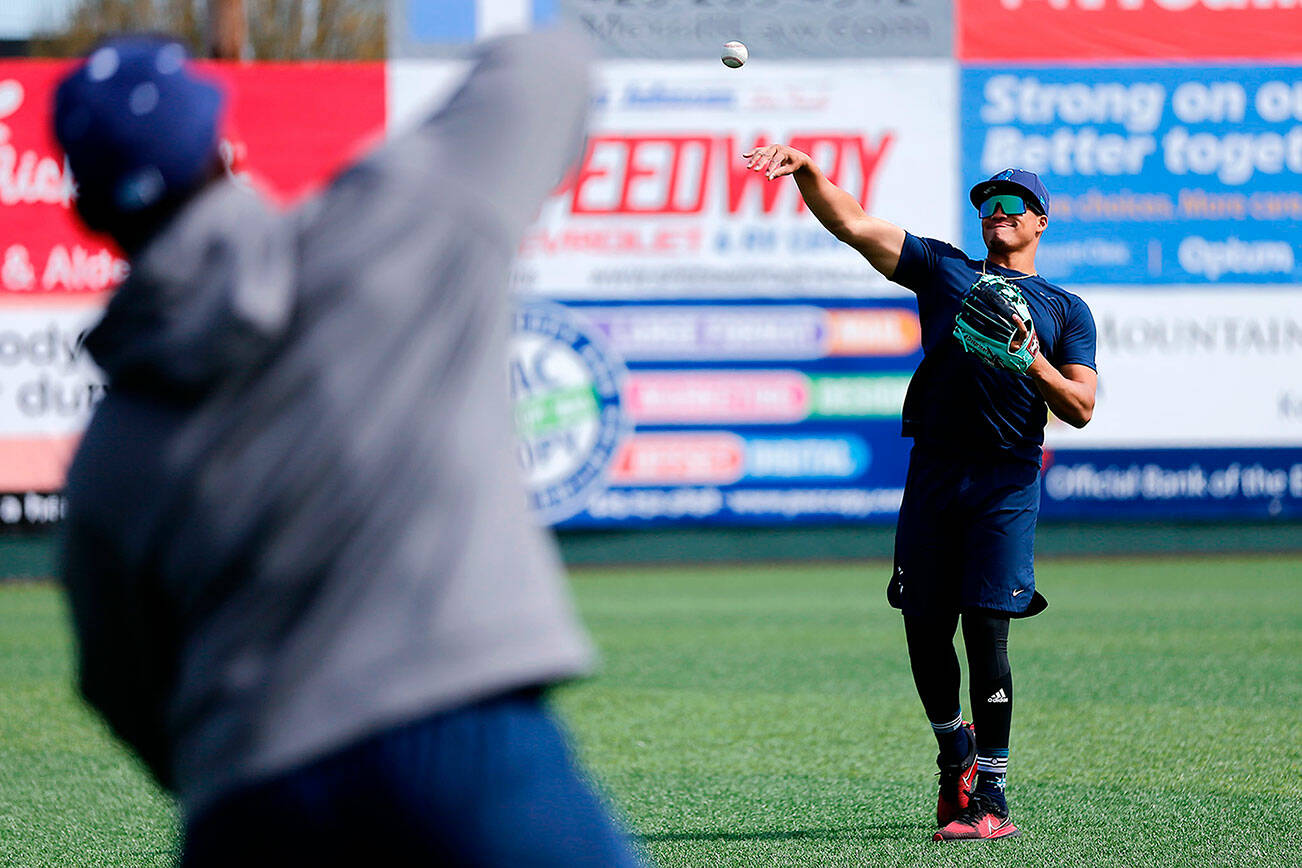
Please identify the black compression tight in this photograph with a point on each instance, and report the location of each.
(936, 672)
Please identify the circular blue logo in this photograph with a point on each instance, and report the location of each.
(569, 411)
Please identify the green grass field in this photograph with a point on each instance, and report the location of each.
(765, 716)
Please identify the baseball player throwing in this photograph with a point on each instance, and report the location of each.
(1001, 346)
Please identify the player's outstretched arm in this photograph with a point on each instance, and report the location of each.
(878, 240)
(496, 147)
(518, 120)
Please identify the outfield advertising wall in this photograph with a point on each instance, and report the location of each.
(691, 346)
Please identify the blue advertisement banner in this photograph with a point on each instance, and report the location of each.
(1158, 174)
(747, 412)
(1156, 484)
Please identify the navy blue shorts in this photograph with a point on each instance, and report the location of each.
(490, 784)
(966, 536)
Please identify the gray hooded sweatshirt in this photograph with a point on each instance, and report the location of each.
(297, 519)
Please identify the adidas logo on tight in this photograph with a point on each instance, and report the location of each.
(998, 696)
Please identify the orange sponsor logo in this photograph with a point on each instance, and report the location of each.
(873, 332)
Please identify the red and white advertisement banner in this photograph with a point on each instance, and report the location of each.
(1183, 368)
(661, 203)
(288, 127)
(1046, 30)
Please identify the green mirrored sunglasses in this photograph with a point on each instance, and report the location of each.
(1012, 205)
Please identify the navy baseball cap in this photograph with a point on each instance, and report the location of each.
(139, 127)
(1016, 181)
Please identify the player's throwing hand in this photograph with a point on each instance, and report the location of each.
(776, 160)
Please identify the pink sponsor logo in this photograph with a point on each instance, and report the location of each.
(738, 397)
(696, 458)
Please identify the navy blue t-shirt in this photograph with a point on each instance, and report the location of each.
(956, 402)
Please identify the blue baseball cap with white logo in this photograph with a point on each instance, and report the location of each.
(1019, 182)
(138, 125)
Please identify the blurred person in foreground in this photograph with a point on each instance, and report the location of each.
(1001, 346)
(304, 581)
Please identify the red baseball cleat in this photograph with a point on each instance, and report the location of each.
(981, 820)
(956, 782)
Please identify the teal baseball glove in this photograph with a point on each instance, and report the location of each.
(985, 325)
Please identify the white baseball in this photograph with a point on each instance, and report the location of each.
(734, 54)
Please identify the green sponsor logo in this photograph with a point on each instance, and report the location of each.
(556, 410)
(879, 396)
